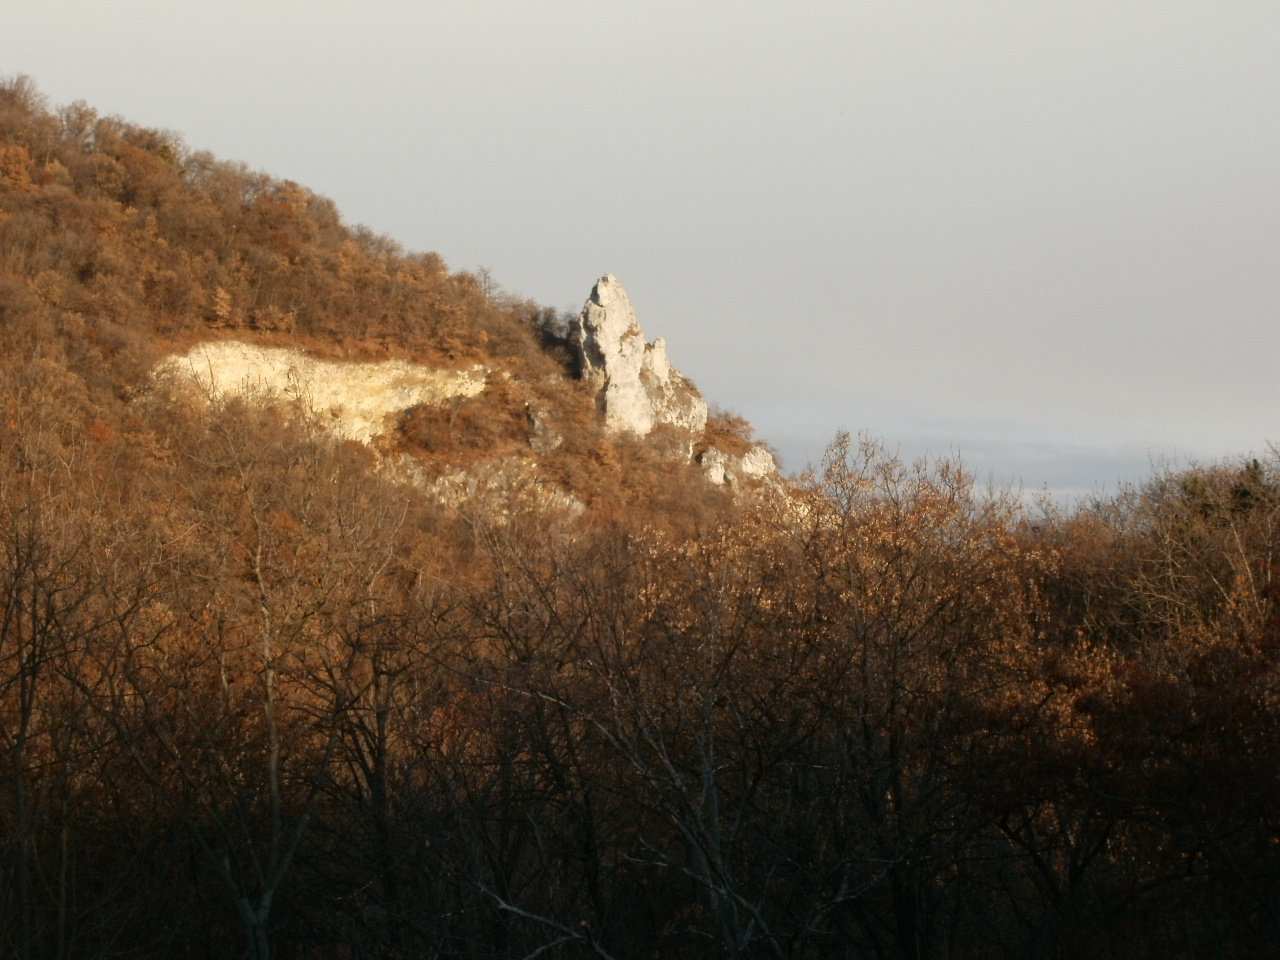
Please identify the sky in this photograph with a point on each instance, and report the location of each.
(1042, 236)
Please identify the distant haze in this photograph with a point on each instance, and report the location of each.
(1044, 235)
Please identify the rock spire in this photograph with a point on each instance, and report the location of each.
(639, 389)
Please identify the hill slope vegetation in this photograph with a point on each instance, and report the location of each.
(260, 695)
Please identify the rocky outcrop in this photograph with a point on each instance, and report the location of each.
(360, 401)
(352, 399)
(639, 393)
(721, 468)
(639, 389)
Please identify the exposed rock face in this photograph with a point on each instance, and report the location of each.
(639, 393)
(639, 388)
(501, 489)
(723, 468)
(354, 399)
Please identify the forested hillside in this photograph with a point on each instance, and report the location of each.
(260, 696)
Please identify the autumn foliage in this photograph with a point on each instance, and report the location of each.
(258, 697)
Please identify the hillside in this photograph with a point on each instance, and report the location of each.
(352, 608)
(122, 248)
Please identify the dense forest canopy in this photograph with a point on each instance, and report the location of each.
(258, 696)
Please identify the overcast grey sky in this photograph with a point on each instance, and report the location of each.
(1044, 234)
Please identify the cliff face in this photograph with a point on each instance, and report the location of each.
(638, 387)
(638, 390)
(122, 248)
(354, 400)
(636, 393)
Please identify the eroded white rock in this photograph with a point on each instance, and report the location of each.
(715, 463)
(639, 389)
(757, 463)
(353, 400)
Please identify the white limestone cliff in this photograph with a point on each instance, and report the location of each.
(639, 389)
(639, 393)
(352, 399)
